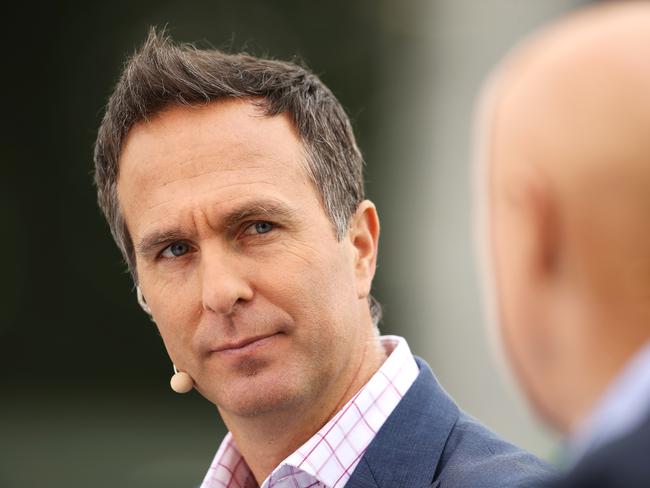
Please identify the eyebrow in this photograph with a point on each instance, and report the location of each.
(262, 209)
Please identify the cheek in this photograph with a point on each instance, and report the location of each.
(174, 308)
(317, 291)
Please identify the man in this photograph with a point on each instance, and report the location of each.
(565, 148)
(233, 186)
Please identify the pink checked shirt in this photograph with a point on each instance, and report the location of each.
(329, 457)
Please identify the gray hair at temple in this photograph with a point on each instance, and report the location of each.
(163, 74)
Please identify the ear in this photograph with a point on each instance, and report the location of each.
(364, 237)
(536, 298)
(544, 246)
(526, 248)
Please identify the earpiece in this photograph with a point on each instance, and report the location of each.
(181, 382)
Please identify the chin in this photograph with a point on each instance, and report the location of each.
(255, 395)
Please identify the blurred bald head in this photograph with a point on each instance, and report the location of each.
(565, 148)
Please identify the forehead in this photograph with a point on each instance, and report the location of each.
(177, 141)
(226, 149)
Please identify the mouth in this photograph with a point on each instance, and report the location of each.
(246, 345)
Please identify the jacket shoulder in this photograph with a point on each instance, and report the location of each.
(428, 441)
(475, 456)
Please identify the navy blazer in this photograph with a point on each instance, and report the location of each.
(428, 442)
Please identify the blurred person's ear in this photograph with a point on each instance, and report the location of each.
(542, 275)
(544, 245)
(528, 250)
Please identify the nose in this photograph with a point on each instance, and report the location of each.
(224, 281)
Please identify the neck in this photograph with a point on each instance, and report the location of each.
(266, 440)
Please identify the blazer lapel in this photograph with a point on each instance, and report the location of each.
(406, 450)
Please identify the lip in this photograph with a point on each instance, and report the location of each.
(246, 345)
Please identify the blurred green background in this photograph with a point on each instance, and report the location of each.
(84, 385)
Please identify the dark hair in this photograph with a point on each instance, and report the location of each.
(161, 74)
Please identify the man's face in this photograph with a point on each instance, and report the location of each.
(252, 293)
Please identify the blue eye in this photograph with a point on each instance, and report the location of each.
(176, 250)
(263, 227)
(258, 228)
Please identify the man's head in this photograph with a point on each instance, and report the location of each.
(233, 186)
(565, 155)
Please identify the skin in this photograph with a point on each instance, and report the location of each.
(564, 155)
(252, 293)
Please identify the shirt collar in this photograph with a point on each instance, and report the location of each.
(329, 457)
(624, 406)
